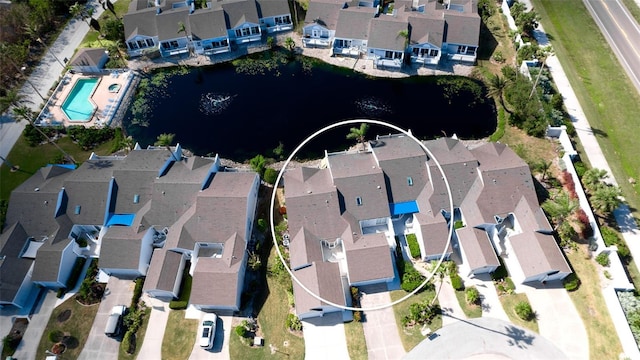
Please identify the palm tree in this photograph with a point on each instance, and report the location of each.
(441, 272)
(33, 30)
(543, 168)
(497, 84)
(592, 179)
(606, 198)
(86, 14)
(23, 112)
(108, 5)
(359, 133)
(166, 140)
(290, 44)
(560, 208)
(12, 99)
(127, 144)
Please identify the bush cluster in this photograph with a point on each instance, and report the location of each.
(89, 138)
(411, 278)
(569, 184)
(456, 282)
(571, 282)
(472, 295)
(524, 311)
(293, 323)
(185, 292)
(603, 259)
(420, 313)
(611, 237)
(414, 247)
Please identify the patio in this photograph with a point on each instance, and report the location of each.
(106, 98)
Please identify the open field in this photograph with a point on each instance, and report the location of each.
(603, 339)
(509, 304)
(611, 107)
(179, 336)
(272, 318)
(412, 336)
(356, 343)
(73, 320)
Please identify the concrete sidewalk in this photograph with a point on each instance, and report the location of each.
(44, 76)
(380, 329)
(29, 345)
(152, 344)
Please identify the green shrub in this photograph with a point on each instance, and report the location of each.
(500, 273)
(357, 316)
(609, 236)
(129, 342)
(571, 282)
(270, 176)
(262, 225)
(411, 278)
(524, 311)
(414, 247)
(456, 282)
(580, 168)
(294, 323)
(241, 331)
(502, 121)
(472, 295)
(185, 292)
(603, 259)
(55, 336)
(137, 292)
(9, 345)
(75, 272)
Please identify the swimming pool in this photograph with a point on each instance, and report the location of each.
(77, 106)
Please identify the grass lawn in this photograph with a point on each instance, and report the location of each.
(179, 336)
(471, 311)
(122, 354)
(494, 39)
(603, 339)
(356, 343)
(272, 321)
(73, 320)
(612, 107)
(509, 304)
(412, 336)
(30, 159)
(121, 7)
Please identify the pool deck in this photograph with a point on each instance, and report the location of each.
(105, 103)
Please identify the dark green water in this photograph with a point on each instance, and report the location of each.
(217, 110)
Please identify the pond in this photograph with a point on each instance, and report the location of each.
(240, 114)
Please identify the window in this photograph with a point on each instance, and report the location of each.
(77, 210)
(225, 42)
(359, 201)
(388, 54)
(433, 52)
(238, 32)
(287, 19)
(409, 181)
(136, 198)
(142, 43)
(245, 32)
(255, 30)
(150, 42)
(132, 45)
(462, 49)
(165, 46)
(174, 44)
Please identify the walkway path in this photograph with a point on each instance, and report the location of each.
(151, 345)
(29, 345)
(380, 329)
(449, 304)
(44, 76)
(491, 305)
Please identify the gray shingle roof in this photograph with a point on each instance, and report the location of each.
(384, 33)
(426, 29)
(268, 8)
(238, 12)
(462, 28)
(477, 248)
(13, 269)
(142, 22)
(369, 258)
(120, 249)
(208, 24)
(166, 265)
(353, 23)
(324, 13)
(88, 57)
(168, 23)
(323, 279)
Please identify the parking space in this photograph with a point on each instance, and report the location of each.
(220, 348)
(100, 346)
(324, 337)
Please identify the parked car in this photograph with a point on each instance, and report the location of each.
(207, 331)
(114, 323)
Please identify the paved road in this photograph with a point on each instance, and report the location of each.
(44, 76)
(621, 31)
(98, 345)
(485, 338)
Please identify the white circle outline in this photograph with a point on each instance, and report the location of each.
(272, 206)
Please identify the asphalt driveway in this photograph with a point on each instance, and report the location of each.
(98, 345)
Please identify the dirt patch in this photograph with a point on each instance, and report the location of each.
(64, 316)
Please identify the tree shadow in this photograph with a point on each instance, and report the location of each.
(516, 336)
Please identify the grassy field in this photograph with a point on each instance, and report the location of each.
(603, 339)
(73, 320)
(412, 336)
(471, 311)
(509, 304)
(30, 159)
(179, 336)
(272, 320)
(121, 7)
(122, 354)
(356, 343)
(611, 107)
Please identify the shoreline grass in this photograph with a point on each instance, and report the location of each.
(610, 106)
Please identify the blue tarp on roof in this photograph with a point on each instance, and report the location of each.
(407, 207)
(121, 219)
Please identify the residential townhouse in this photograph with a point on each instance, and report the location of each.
(175, 27)
(149, 213)
(344, 217)
(419, 34)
